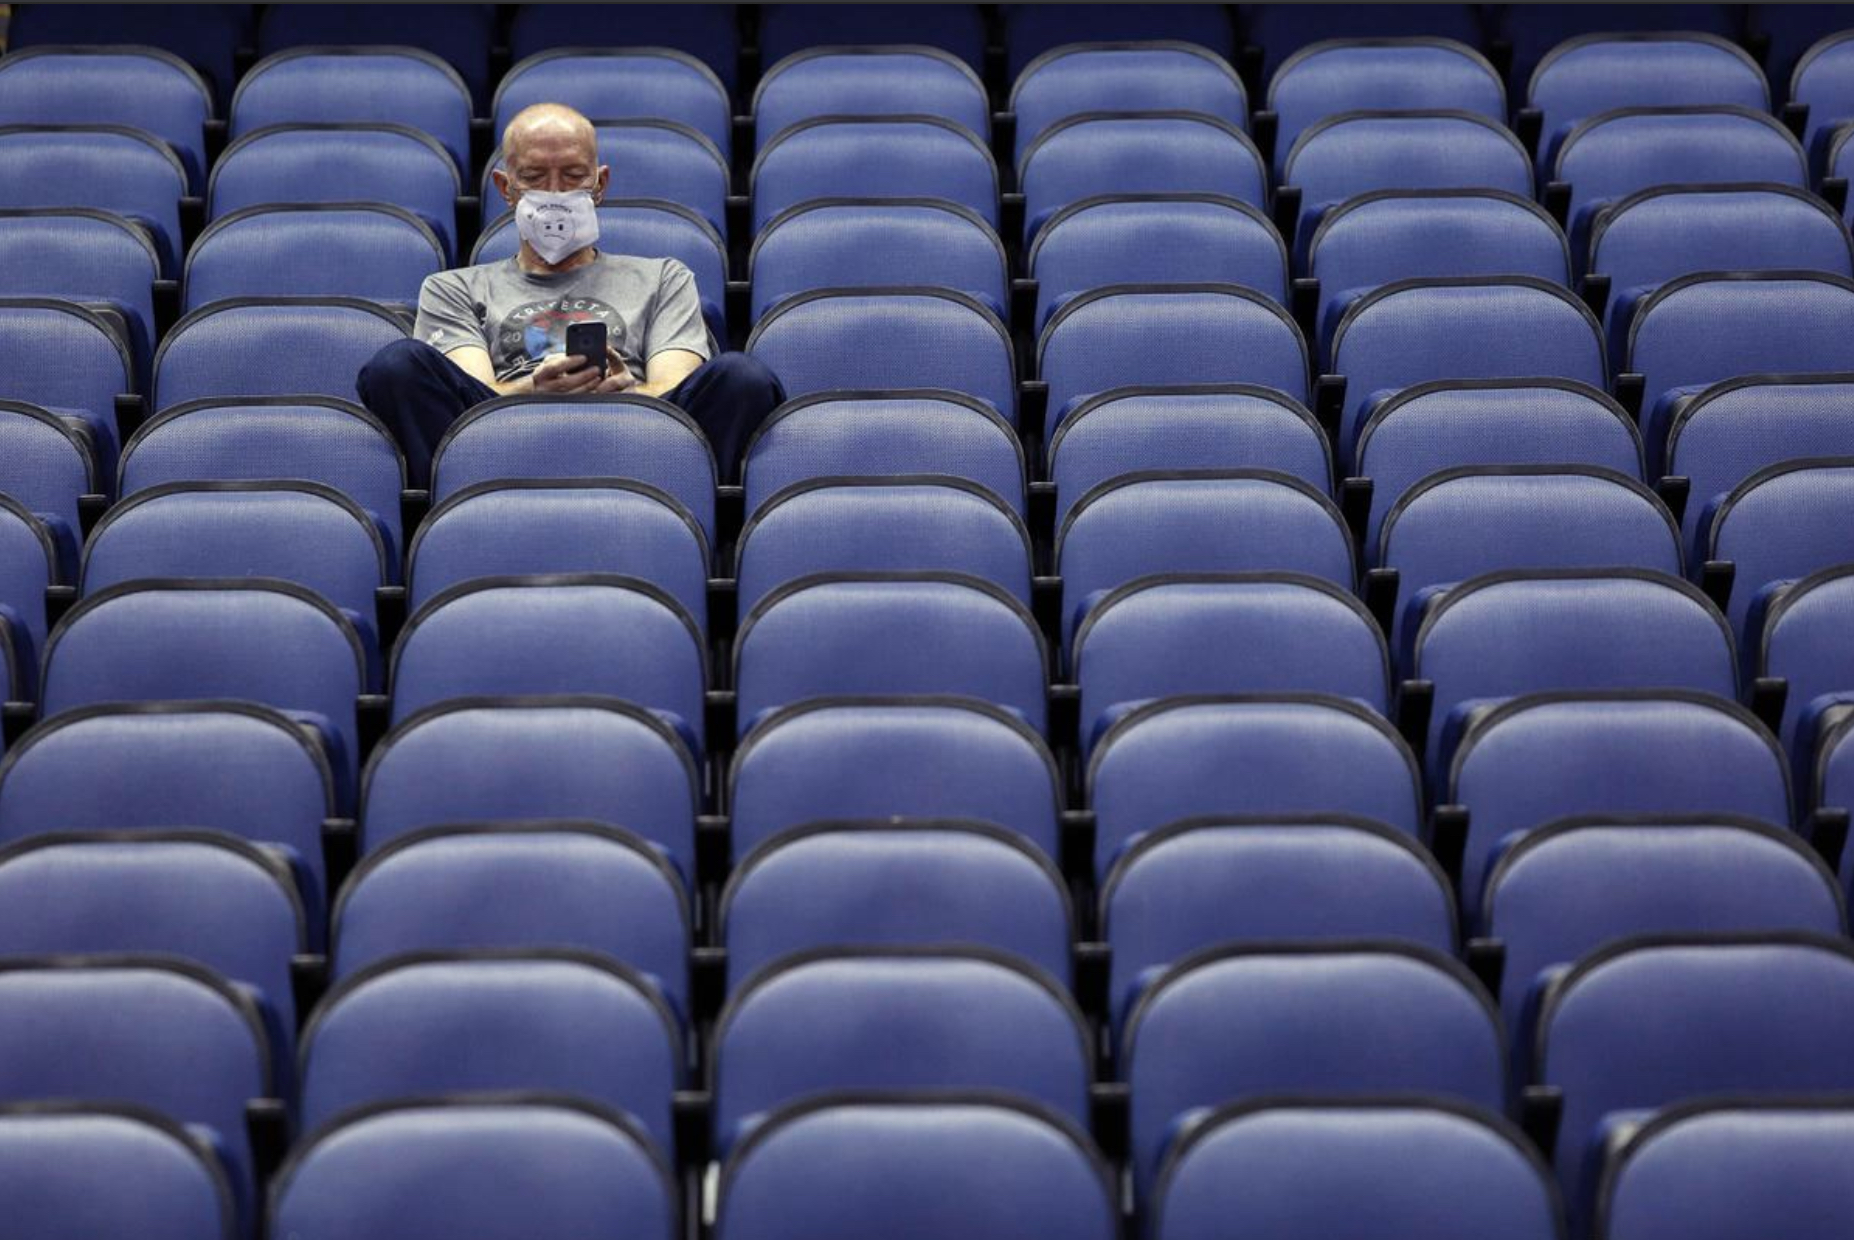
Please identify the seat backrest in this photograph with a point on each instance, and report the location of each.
(888, 634)
(651, 160)
(1313, 1019)
(1784, 522)
(46, 462)
(931, 758)
(66, 360)
(1563, 891)
(1154, 75)
(957, 28)
(1821, 81)
(29, 564)
(478, 1165)
(113, 168)
(896, 1018)
(459, 33)
(891, 79)
(1196, 521)
(711, 35)
(882, 338)
(1030, 31)
(366, 250)
(1801, 640)
(578, 758)
(357, 85)
(1305, 1170)
(84, 255)
(1185, 757)
(271, 346)
(1276, 31)
(891, 882)
(888, 1164)
(876, 242)
(209, 44)
(1534, 33)
(873, 157)
(620, 83)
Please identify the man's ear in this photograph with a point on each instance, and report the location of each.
(503, 185)
(605, 179)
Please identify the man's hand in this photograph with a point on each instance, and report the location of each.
(569, 374)
(618, 376)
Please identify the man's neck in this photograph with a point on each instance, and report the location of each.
(531, 263)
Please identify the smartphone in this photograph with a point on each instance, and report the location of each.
(587, 340)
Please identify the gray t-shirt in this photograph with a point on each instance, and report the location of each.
(647, 304)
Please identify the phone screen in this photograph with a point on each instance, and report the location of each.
(587, 340)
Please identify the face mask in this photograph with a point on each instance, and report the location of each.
(556, 225)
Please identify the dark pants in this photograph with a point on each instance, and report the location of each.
(418, 393)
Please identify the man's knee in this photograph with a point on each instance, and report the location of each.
(397, 363)
(745, 376)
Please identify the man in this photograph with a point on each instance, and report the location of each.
(499, 329)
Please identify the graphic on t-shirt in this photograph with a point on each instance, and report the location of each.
(539, 328)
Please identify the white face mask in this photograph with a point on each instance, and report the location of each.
(557, 225)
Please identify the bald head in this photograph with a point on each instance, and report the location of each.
(551, 125)
(550, 147)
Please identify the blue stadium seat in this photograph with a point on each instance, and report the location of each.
(491, 1167)
(1431, 427)
(1532, 32)
(789, 28)
(887, 634)
(708, 32)
(366, 250)
(646, 83)
(1129, 334)
(140, 87)
(1333, 1020)
(896, 1018)
(1184, 426)
(70, 1170)
(1784, 522)
(1175, 633)
(29, 566)
(660, 160)
(1476, 327)
(1713, 1170)
(1823, 82)
(1342, 75)
(1033, 29)
(1788, 32)
(873, 157)
(77, 254)
(929, 758)
(378, 162)
(1138, 153)
(270, 346)
(207, 41)
(1196, 521)
(845, 434)
(561, 526)
(976, 1167)
(46, 464)
(903, 523)
(870, 242)
(1800, 637)
(888, 80)
(234, 768)
(581, 758)
(1841, 158)
(517, 885)
(68, 361)
(1308, 1170)
(477, 1022)
(893, 882)
(1273, 32)
(357, 85)
(1573, 886)
(1251, 754)
(620, 436)
(1647, 1023)
(1531, 760)
(1155, 239)
(1152, 76)
(460, 34)
(1596, 73)
(206, 897)
(1227, 878)
(874, 339)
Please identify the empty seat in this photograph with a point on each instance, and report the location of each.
(869, 81)
(299, 163)
(370, 251)
(208, 44)
(1535, 759)
(787, 28)
(887, 634)
(126, 172)
(894, 882)
(1306, 1170)
(845, 434)
(655, 160)
(620, 436)
(1174, 633)
(561, 526)
(461, 34)
(1273, 32)
(1191, 333)
(1709, 1171)
(612, 83)
(1533, 33)
(963, 1019)
(271, 346)
(1076, 77)
(846, 243)
(1477, 327)
(29, 565)
(46, 464)
(1221, 879)
(1127, 430)
(1032, 29)
(1094, 153)
(554, 1022)
(357, 85)
(873, 157)
(1248, 754)
(903, 523)
(497, 1168)
(1841, 157)
(1245, 1023)
(70, 1169)
(973, 1167)
(1563, 891)
(709, 32)
(876, 339)
(1823, 81)
(79, 254)
(578, 758)
(69, 362)
(1196, 521)
(1784, 522)
(1801, 637)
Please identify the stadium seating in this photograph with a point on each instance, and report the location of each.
(1797, 636)
(1821, 83)
(29, 567)
(77, 368)
(621, 84)
(709, 32)
(894, 81)
(1153, 76)
(789, 28)
(46, 467)
(1030, 30)
(868, 242)
(460, 34)
(87, 256)
(1532, 31)
(873, 157)
(357, 85)
(1273, 32)
(369, 251)
(270, 346)
(140, 87)
(208, 40)
(1783, 522)
(659, 160)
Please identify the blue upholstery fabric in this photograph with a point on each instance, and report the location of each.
(871, 242)
(373, 252)
(127, 172)
(708, 32)
(1803, 640)
(1033, 29)
(1279, 30)
(876, 81)
(460, 34)
(1824, 80)
(1149, 76)
(1783, 522)
(1533, 32)
(45, 464)
(68, 361)
(873, 157)
(788, 28)
(270, 346)
(660, 160)
(208, 42)
(87, 256)
(28, 565)
(357, 85)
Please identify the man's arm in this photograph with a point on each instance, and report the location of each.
(559, 375)
(676, 338)
(666, 369)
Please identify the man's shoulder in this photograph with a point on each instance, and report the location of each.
(631, 264)
(463, 277)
